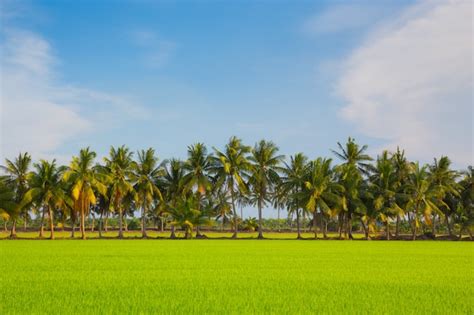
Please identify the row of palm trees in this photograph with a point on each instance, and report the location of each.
(207, 186)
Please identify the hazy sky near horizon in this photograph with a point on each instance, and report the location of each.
(304, 74)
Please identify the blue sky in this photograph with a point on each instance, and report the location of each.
(304, 74)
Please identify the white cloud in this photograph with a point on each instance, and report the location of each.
(39, 113)
(410, 83)
(346, 17)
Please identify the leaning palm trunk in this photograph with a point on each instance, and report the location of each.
(100, 222)
(366, 229)
(51, 223)
(13, 230)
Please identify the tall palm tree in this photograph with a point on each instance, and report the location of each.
(16, 177)
(402, 170)
(320, 191)
(118, 167)
(231, 168)
(355, 164)
(444, 182)
(292, 183)
(46, 189)
(171, 184)
(465, 202)
(422, 197)
(383, 184)
(147, 171)
(197, 167)
(85, 181)
(264, 167)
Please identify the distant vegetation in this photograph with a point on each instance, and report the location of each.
(383, 197)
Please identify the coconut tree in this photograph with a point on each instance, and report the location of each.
(186, 215)
(121, 178)
(402, 170)
(16, 177)
(46, 189)
(147, 171)
(422, 197)
(444, 182)
(292, 183)
(350, 176)
(320, 191)
(171, 186)
(231, 169)
(465, 202)
(9, 208)
(264, 167)
(85, 181)
(383, 185)
(197, 178)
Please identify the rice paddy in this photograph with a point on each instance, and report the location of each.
(235, 277)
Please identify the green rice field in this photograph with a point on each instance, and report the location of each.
(235, 277)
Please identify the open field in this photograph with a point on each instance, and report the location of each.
(224, 276)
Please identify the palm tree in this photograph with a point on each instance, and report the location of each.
(147, 171)
(118, 167)
(171, 185)
(350, 177)
(422, 196)
(85, 181)
(320, 191)
(16, 177)
(444, 181)
(231, 168)
(264, 168)
(402, 170)
(9, 208)
(383, 184)
(197, 177)
(465, 202)
(46, 189)
(292, 183)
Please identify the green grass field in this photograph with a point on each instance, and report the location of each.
(238, 277)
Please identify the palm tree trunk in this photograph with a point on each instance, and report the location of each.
(25, 222)
(366, 229)
(120, 235)
(100, 222)
(13, 230)
(397, 228)
(125, 222)
(260, 231)
(144, 235)
(450, 231)
(279, 225)
(387, 229)
(51, 223)
(162, 221)
(298, 228)
(434, 225)
(340, 223)
(349, 226)
(106, 224)
(234, 236)
(41, 231)
(314, 226)
(323, 223)
(83, 223)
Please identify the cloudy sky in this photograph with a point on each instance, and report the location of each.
(304, 74)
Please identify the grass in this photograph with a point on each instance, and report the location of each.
(232, 277)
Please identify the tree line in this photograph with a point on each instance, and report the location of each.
(208, 187)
